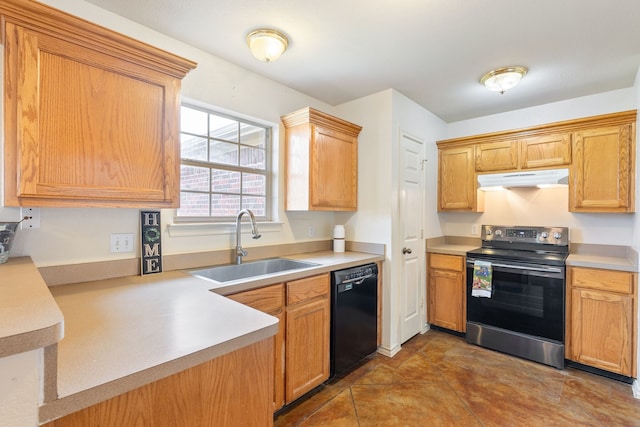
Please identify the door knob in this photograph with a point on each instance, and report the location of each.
(406, 251)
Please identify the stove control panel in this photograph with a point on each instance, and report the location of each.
(526, 234)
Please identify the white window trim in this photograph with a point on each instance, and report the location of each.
(188, 229)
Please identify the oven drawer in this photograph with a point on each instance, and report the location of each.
(446, 262)
(609, 280)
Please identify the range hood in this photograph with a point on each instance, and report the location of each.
(537, 178)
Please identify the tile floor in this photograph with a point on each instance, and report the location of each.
(437, 379)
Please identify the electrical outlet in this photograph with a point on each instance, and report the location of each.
(33, 218)
(121, 242)
(474, 229)
(312, 231)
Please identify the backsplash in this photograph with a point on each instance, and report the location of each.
(543, 207)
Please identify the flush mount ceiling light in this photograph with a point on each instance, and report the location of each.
(502, 79)
(267, 45)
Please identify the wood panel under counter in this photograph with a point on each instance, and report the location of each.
(153, 334)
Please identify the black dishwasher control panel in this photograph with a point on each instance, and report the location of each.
(354, 274)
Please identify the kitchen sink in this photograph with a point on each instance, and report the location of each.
(227, 273)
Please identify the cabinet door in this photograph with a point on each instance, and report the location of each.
(321, 162)
(334, 170)
(307, 347)
(602, 330)
(457, 185)
(270, 300)
(446, 299)
(603, 170)
(497, 156)
(546, 150)
(85, 128)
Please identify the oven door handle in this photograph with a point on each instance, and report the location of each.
(522, 267)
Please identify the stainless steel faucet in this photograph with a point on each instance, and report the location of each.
(254, 231)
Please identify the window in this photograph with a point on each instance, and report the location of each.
(225, 165)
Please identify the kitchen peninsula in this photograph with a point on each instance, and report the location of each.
(158, 333)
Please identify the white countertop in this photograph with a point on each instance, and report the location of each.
(585, 255)
(449, 249)
(126, 332)
(601, 261)
(30, 317)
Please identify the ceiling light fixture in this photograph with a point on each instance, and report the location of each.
(267, 45)
(502, 79)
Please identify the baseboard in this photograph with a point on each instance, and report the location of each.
(389, 352)
(636, 389)
(426, 328)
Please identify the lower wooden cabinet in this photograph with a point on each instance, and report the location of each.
(301, 357)
(307, 325)
(601, 319)
(446, 294)
(270, 300)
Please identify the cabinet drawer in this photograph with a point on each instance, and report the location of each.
(308, 288)
(610, 280)
(446, 262)
(269, 299)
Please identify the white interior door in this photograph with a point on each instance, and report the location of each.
(412, 246)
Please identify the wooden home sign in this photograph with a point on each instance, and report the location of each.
(151, 247)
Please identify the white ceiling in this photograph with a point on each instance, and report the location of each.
(432, 51)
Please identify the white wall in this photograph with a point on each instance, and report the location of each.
(69, 236)
(603, 103)
(372, 221)
(383, 116)
(545, 206)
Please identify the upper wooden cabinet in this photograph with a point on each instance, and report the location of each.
(603, 170)
(525, 153)
(599, 152)
(545, 151)
(457, 184)
(321, 162)
(91, 117)
(496, 156)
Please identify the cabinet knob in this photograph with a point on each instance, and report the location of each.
(406, 251)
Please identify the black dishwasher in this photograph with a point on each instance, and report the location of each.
(354, 316)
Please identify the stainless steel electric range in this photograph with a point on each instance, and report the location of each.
(516, 292)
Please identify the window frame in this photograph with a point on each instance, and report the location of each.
(267, 172)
